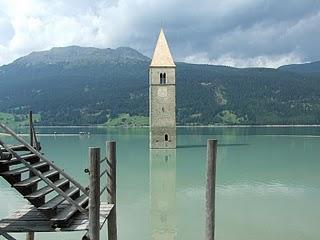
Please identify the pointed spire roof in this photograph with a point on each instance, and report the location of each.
(162, 56)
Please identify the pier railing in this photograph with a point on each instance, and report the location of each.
(98, 170)
(35, 151)
(33, 135)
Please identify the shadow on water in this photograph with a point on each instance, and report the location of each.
(219, 145)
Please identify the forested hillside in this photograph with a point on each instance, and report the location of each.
(82, 86)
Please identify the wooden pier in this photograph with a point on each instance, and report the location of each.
(29, 219)
(58, 202)
(72, 207)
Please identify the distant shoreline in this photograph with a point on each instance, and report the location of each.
(188, 126)
(46, 134)
(131, 127)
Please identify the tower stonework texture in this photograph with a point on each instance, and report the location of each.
(162, 96)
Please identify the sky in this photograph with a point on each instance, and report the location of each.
(240, 33)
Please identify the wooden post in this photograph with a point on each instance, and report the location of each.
(111, 187)
(30, 236)
(210, 188)
(94, 194)
(31, 128)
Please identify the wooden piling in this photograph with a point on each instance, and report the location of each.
(111, 186)
(210, 188)
(31, 128)
(30, 236)
(94, 194)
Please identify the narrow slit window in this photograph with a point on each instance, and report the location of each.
(166, 137)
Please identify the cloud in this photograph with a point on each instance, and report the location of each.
(6, 31)
(235, 32)
(273, 61)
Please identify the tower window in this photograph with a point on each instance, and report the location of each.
(163, 78)
(166, 137)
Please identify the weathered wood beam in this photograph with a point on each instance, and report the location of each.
(112, 189)
(30, 236)
(210, 188)
(29, 219)
(31, 128)
(94, 194)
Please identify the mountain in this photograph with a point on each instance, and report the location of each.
(81, 86)
(81, 56)
(312, 68)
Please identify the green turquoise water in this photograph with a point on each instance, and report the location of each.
(268, 182)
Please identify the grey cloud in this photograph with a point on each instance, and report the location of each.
(243, 29)
(253, 30)
(6, 29)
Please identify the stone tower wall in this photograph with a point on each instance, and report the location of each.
(162, 114)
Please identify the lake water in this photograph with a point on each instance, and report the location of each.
(268, 182)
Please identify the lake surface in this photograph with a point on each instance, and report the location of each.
(268, 182)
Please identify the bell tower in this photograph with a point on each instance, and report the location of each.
(162, 96)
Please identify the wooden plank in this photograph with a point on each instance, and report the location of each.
(26, 216)
(5, 157)
(54, 202)
(29, 219)
(65, 215)
(47, 189)
(14, 161)
(24, 169)
(24, 156)
(32, 212)
(16, 148)
(33, 180)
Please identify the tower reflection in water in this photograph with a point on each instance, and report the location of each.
(163, 194)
